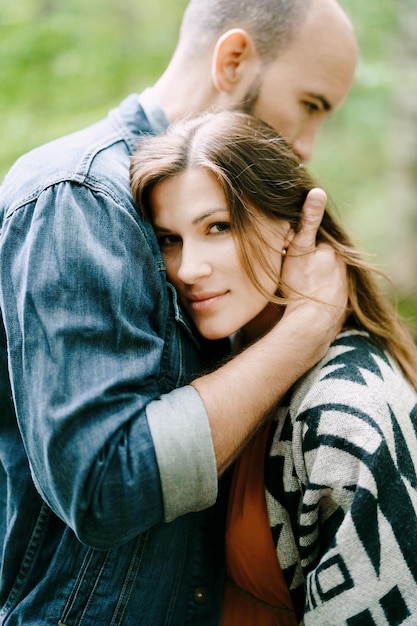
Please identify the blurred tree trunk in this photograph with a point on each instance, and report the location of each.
(402, 227)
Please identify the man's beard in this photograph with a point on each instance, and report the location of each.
(248, 104)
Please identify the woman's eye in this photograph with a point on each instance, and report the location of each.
(168, 241)
(219, 227)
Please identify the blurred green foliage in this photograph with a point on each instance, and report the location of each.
(64, 63)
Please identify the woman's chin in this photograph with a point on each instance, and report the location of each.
(215, 333)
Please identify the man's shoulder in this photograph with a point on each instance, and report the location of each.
(92, 156)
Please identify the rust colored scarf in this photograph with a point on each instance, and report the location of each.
(255, 592)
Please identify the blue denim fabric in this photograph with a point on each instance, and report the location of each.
(103, 453)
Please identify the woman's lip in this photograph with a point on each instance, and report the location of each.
(205, 301)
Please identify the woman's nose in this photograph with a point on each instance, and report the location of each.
(194, 264)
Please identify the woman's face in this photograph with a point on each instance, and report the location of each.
(192, 223)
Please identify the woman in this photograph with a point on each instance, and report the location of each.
(330, 486)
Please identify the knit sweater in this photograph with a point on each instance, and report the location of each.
(341, 489)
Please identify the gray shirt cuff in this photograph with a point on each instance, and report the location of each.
(184, 450)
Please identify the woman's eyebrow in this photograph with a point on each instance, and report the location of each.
(161, 228)
(196, 220)
(204, 216)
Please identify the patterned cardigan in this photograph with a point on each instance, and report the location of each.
(341, 489)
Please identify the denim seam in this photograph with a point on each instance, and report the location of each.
(121, 605)
(78, 585)
(78, 582)
(33, 547)
(91, 594)
(176, 587)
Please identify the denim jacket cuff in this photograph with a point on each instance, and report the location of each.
(184, 450)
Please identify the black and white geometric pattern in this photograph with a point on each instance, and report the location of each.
(341, 489)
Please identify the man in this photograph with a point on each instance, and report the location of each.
(112, 462)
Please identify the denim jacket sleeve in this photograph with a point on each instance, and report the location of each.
(85, 309)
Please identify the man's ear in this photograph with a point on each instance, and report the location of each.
(234, 60)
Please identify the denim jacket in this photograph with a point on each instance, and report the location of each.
(107, 469)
